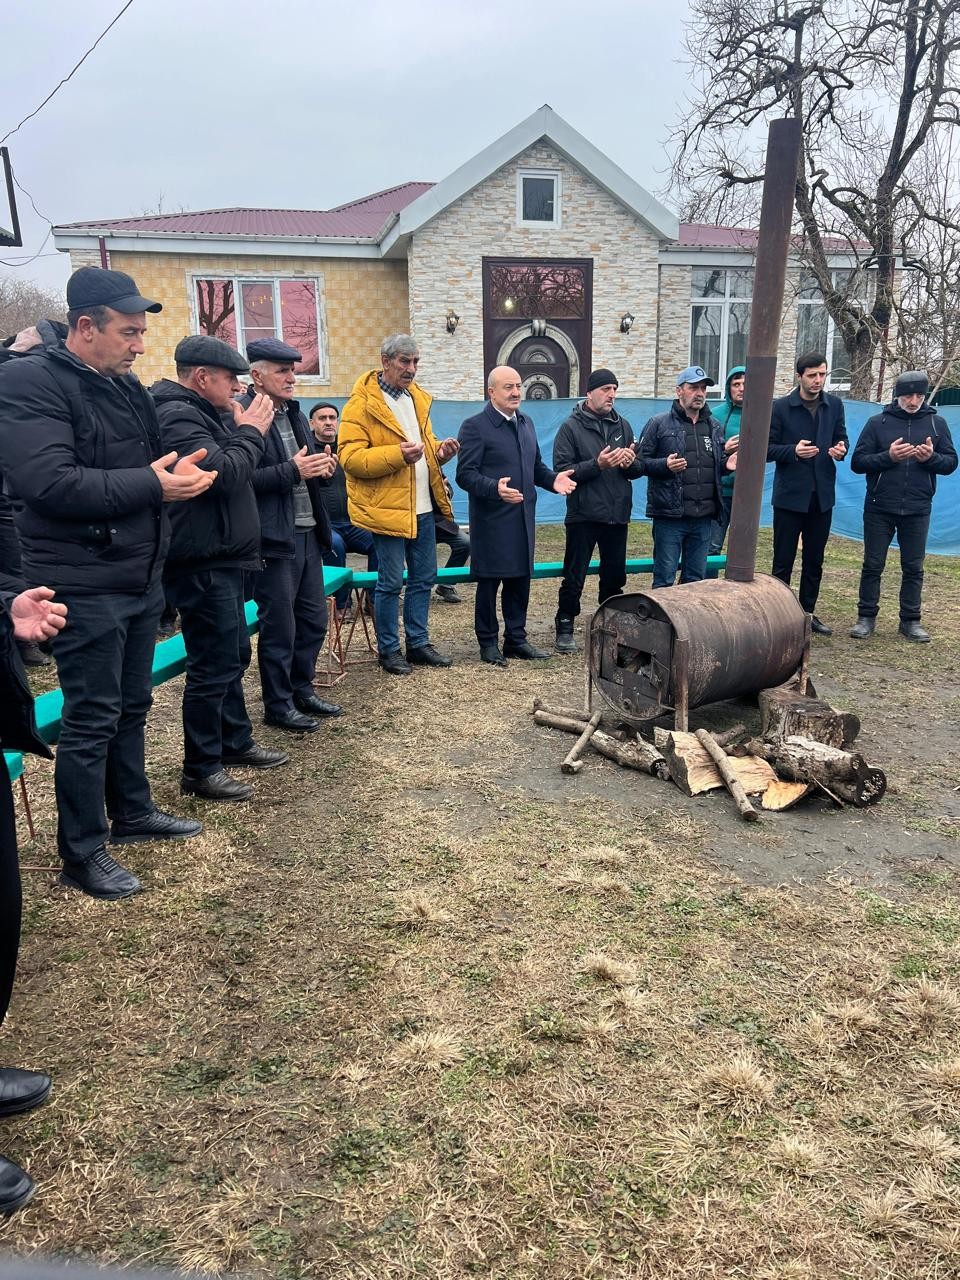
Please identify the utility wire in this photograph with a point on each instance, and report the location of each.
(66, 77)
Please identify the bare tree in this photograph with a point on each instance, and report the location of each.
(23, 303)
(875, 84)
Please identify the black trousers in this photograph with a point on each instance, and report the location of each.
(10, 894)
(459, 545)
(514, 599)
(581, 538)
(293, 623)
(215, 720)
(878, 531)
(104, 660)
(814, 526)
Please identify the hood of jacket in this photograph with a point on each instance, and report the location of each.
(738, 371)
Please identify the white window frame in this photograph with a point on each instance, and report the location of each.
(831, 384)
(717, 392)
(553, 174)
(274, 279)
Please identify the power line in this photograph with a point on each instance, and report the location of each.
(33, 257)
(66, 77)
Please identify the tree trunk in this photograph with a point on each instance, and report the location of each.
(785, 713)
(843, 774)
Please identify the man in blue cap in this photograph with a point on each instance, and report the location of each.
(295, 532)
(683, 459)
(80, 448)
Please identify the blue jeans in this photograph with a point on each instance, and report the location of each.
(344, 538)
(420, 554)
(680, 541)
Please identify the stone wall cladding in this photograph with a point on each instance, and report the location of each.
(362, 301)
(445, 272)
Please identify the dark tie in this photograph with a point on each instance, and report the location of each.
(511, 422)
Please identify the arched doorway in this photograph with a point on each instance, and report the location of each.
(543, 368)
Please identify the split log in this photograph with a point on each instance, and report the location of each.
(572, 763)
(782, 795)
(730, 780)
(694, 772)
(785, 713)
(843, 774)
(637, 755)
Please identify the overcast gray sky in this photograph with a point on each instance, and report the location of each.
(287, 103)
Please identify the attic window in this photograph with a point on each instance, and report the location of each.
(538, 198)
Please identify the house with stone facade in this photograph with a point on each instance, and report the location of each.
(538, 252)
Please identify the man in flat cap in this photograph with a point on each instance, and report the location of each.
(214, 543)
(901, 451)
(294, 532)
(683, 459)
(598, 444)
(80, 449)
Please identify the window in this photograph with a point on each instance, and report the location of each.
(268, 308)
(555, 290)
(816, 330)
(538, 198)
(720, 320)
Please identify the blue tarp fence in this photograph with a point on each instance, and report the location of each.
(548, 415)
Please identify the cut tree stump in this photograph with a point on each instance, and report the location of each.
(785, 713)
(845, 775)
(637, 755)
(694, 772)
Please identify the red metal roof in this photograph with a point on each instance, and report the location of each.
(360, 219)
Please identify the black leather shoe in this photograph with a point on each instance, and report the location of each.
(310, 704)
(526, 651)
(293, 722)
(820, 628)
(256, 757)
(155, 826)
(449, 594)
(425, 655)
(491, 653)
(21, 1090)
(16, 1186)
(395, 664)
(100, 877)
(216, 786)
(31, 655)
(914, 631)
(863, 627)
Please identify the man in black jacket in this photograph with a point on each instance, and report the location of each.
(295, 531)
(214, 541)
(599, 445)
(807, 440)
(901, 452)
(682, 455)
(25, 616)
(80, 449)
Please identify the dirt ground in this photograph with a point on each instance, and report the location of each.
(427, 1007)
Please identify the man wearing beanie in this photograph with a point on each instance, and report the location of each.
(598, 446)
(901, 451)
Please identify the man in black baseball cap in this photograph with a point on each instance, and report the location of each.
(93, 526)
(600, 447)
(901, 451)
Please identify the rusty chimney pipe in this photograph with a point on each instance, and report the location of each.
(773, 244)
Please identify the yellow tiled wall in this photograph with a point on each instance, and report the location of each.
(363, 301)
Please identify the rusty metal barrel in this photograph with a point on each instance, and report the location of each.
(653, 652)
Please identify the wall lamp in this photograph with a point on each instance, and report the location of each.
(626, 322)
(452, 321)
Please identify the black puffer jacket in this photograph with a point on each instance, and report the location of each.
(694, 492)
(221, 528)
(75, 451)
(604, 495)
(274, 481)
(903, 488)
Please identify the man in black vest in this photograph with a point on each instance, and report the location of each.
(80, 448)
(295, 532)
(215, 542)
(807, 440)
(683, 459)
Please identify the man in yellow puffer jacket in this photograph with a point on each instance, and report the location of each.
(392, 462)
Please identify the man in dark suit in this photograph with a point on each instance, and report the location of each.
(500, 466)
(807, 439)
(295, 531)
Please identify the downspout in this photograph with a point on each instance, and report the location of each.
(104, 256)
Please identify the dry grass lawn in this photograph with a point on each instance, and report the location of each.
(407, 1014)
